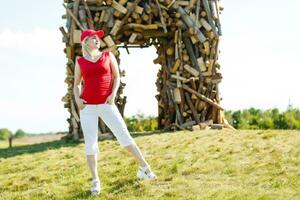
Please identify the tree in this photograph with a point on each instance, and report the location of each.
(5, 133)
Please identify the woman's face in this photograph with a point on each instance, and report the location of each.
(93, 42)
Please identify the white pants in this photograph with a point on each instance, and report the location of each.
(111, 116)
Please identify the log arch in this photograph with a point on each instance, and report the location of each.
(185, 34)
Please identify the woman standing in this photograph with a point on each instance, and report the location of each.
(97, 100)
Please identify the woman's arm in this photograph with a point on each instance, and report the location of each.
(115, 72)
(77, 81)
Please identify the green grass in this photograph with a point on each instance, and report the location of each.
(211, 164)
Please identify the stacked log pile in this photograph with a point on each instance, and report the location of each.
(186, 35)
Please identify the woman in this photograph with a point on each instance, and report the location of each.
(97, 100)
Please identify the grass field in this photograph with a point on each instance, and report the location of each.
(211, 164)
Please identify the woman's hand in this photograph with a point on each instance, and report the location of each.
(110, 99)
(80, 103)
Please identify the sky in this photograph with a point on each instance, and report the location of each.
(259, 58)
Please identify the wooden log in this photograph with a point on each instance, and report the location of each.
(140, 26)
(190, 103)
(82, 18)
(209, 16)
(73, 111)
(89, 14)
(216, 126)
(192, 55)
(206, 47)
(178, 115)
(138, 9)
(132, 38)
(177, 97)
(175, 66)
(204, 98)
(119, 7)
(178, 82)
(65, 35)
(188, 123)
(161, 17)
(115, 27)
(109, 41)
(183, 3)
(198, 9)
(177, 77)
(216, 4)
(189, 22)
(129, 11)
(76, 36)
(191, 70)
(205, 24)
(192, 4)
(74, 18)
(74, 15)
(180, 47)
(205, 124)
(201, 64)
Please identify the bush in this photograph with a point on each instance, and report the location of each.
(140, 123)
(20, 133)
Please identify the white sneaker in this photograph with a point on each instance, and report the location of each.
(95, 189)
(145, 173)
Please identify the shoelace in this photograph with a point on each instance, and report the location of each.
(95, 184)
(147, 171)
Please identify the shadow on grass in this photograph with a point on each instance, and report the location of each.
(84, 194)
(121, 186)
(113, 188)
(39, 147)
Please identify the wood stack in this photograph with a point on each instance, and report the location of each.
(186, 35)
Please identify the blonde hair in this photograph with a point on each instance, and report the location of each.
(86, 51)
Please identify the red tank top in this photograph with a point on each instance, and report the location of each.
(97, 79)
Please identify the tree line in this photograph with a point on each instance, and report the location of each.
(253, 118)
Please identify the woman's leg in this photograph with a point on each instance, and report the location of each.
(92, 162)
(89, 125)
(136, 152)
(112, 117)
